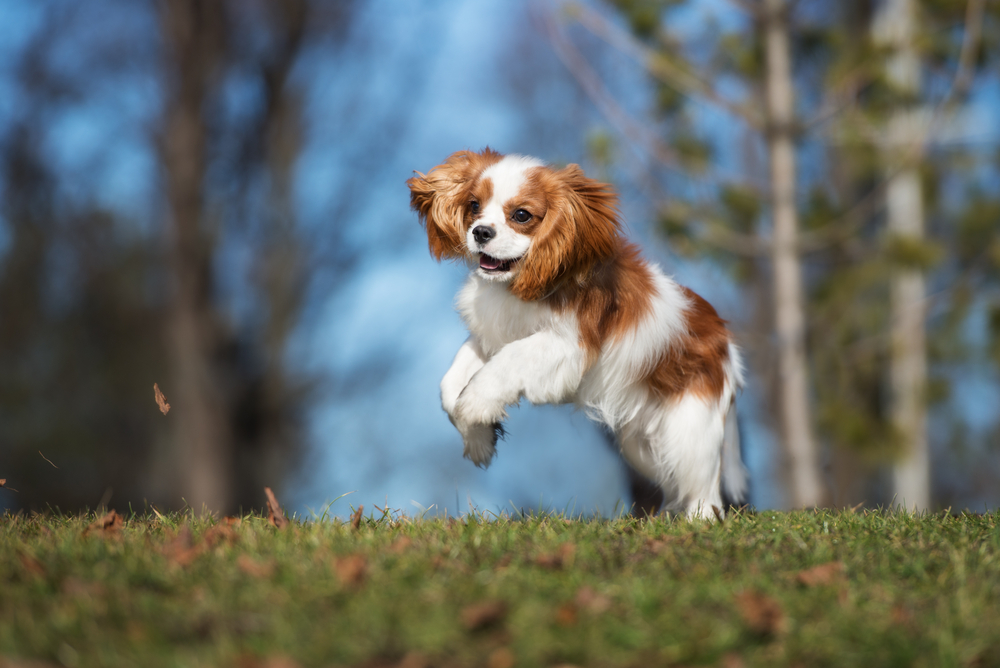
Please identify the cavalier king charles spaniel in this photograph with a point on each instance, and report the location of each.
(562, 309)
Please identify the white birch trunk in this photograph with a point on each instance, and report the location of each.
(895, 26)
(806, 485)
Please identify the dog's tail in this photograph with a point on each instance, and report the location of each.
(735, 483)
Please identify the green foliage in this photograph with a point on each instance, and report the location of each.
(909, 252)
(761, 589)
(643, 15)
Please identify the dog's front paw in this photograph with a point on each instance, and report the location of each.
(478, 405)
(480, 442)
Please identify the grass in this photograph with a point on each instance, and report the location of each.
(175, 590)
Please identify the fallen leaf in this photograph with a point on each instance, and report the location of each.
(31, 565)
(591, 601)
(732, 660)
(401, 544)
(219, 533)
(109, 525)
(352, 569)
(761, 613)
(566, 615)
(255, 568)
(823, 574)
(275, 515)
(161, 400)
(232, 521)
(181, 550)
(501, 657)
(483, 615)
(356, 518)
(562, 557)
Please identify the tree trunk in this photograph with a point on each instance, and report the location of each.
(193, 33)
(789, 305)
(895, 26)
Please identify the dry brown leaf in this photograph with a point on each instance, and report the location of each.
(276, 661)
(109, 525)
(761, 613)
(356, 518)
(401, 544)
(31, 565)
(501, 657)
(563, 557)
(275, 515)
(232, 521)
(823, 574)
(566, 614)
(732, 660)
(161, 400)
(352, 569)
(255, 568)
(219, 533)
(590, 600)
(483, 615)
(181, 550)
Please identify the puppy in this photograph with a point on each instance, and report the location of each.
(562, 309)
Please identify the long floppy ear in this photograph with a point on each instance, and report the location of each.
(581, 227)
(439, 197)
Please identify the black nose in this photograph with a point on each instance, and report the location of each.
(482, 234)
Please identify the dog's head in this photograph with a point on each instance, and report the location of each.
(515, 219)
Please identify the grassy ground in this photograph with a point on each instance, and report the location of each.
(768, 589)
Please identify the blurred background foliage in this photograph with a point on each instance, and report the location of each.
(187, 186)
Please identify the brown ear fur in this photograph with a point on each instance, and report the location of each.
(439, 199)
(580, 228)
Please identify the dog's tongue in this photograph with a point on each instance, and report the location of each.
(489, 263)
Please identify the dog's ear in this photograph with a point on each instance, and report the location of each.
(580, 228)
(440, 196)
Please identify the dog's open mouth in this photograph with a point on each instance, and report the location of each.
(492, 265)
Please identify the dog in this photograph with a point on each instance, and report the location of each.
(562, 309)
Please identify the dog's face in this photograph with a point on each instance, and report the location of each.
(514, 219)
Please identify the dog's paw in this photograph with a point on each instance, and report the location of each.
(480, 442)
(477, 405)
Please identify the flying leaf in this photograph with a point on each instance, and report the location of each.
(275, 516)
(161, 400)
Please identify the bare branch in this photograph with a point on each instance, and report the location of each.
(602, 98)
(970, 44)
(677, 78)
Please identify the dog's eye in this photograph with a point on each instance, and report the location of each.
(474, 206)
(521, 216)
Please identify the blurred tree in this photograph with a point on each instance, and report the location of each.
(97, 307)
(746, 76)
(874, 146)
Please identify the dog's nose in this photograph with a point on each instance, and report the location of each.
(482, 234)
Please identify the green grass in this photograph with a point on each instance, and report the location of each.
(913, 591)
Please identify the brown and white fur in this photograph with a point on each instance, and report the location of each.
(562, 309)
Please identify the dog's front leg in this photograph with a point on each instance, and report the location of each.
(545, 368)
(479, 439)
(468, 360)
